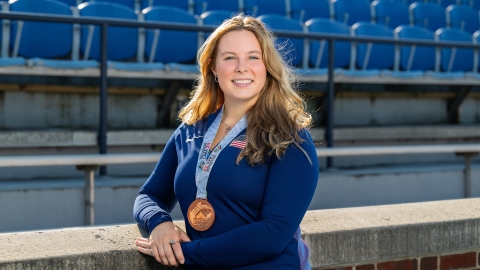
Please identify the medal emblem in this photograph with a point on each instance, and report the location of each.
(201, 215)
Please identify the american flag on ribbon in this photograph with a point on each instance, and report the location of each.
(240, 141)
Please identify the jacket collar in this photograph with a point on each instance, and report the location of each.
(212, 117)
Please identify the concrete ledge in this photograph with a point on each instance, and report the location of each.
(336, 237)
(67, 138)
(352, 235)
(77, 248)
(14, 139)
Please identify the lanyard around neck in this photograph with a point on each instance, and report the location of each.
(207, 156)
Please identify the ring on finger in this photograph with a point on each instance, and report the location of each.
(172, 242)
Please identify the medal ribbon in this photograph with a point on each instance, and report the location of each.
(207, 158)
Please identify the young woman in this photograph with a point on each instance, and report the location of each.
(242, 164)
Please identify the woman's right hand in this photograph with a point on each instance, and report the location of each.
(159, 246)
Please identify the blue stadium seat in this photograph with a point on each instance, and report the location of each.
(127, 3)
(71, 2)
(215, 17)
(46, 40)
(390, 14)
(476, 61)
(260, 7)
(463, 17)
(475, 4)
(414, 60)
(122, 41)
(428, 15)
(453, 62)
(372, 58)
(305, 10)
(202, 6)
(180, 55)
(187, 5)
(409, 2)
(446, 3)
(40, 41)
(5, 60)
(319, 50)
(351, 11)
(291, 49)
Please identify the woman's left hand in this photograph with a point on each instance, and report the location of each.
(145, 245)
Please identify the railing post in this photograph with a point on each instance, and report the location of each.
(89, 192)
(102, 131)
(329, 103)
(467, 173)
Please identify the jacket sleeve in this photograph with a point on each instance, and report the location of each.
(156, 199)
(289, 189)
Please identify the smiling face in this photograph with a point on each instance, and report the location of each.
(239, 67)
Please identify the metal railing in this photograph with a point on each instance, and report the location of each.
(104, 23)
(90, 163)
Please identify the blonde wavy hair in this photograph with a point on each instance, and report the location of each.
(279, 113)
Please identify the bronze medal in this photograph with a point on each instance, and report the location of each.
(200, 215)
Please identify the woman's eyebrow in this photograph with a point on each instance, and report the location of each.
(254, 51)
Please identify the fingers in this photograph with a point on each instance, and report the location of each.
(163, 253)
(184, 237)
(177, 250)
(146, 251)
(146, 247)
(142, 242)
(168, 255)
(143, 245)
(158, 244)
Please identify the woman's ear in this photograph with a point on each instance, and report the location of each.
(212, 67)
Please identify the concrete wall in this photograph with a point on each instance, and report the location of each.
(37, 110)
(21, 110)
(33, 205)
(400, 111)
(423, 236)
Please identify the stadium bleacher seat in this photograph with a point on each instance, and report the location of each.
(390, 14)
(409, 2)
(133, 4)
(215, 17)
(291, 49)
(259, 7)
(476, 61)
(178, 55)
(319, 50)
(372, 58)
(187, 5)
(5, 59)
(46, 40)
(71, 2)
(351, 11)
(462, 59)
(413, 60)
(446, 3)
(122, 41)
(475, 4)
(305, 10)
(202, 6)
(428, 15)
(463, 17)
(45, 44)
